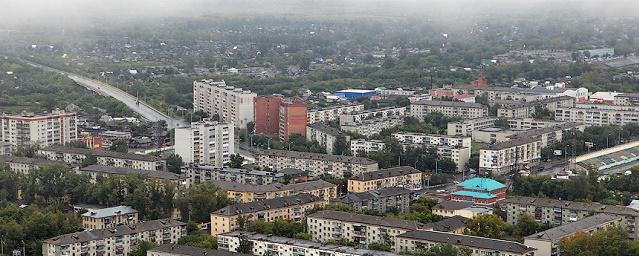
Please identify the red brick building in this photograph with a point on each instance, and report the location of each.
(292, 118)
(267, 114)
(482, 191)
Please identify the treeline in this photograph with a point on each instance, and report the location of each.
(600, 136)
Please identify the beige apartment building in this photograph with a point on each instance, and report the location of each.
(233, 105)
(331, 113)
(314, 163)
(517, 109)
(358, 228)
(367, 146)
(457, 148)
(479, 246)
(466, 127)
(421, 108)
(114, 241)
(109, 217)
(502, 157)
(206, 143)
(287, 208)
(561, 212)
(403, 176)
(599, 114)
(56, 128)
(325, 135)
(107, 158)
(460, 208)
(355, 117)
(185, 250)
(246, 193)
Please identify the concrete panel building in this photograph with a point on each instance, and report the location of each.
(479, 246)
(109, 217)
(233, 105)
(467, 126)
(206, 143)
(292, 118)
(420, 109)
(315, 164)
(366, 146)
(325, 135)
(56, 128)
(503, 157)
(75, 156)
(382, 200)
(403, 176)
(331, 113)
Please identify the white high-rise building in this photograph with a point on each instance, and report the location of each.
(205, 143)
(233, 105)
(45, 130)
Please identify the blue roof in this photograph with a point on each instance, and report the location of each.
(485, 184)
(473, 194)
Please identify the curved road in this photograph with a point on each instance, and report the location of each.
(143, 109)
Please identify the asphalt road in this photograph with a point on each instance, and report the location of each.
(143, 109)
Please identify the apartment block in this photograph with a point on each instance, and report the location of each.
(75, 156)
(245, 193)
(598, 114)
(358, 228)
(503, 157)
(495, 94)
(24, 165)
(331, 113)
(562, 212)
(315, 164)
(98, 172)
(267, 114)
(56, 128)
(325, 135)
(382, 200)
(287, 208)
(516, 109)
(421, 108)
(456, 148)
(366, 146)
(467, 126)
(185, 250)
(403, 176)
(479, 246)
(292, 118)
(373, 126)
(206, 143)
(469, 210)
(548, 135)
(114, 241)
(530, 123)
(355, 117)
(262, 244)
(233, 105)
(109, 217)
(195, 174)
(546, 241)
(627, 99)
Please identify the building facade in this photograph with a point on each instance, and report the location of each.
(24, 165)
(196, 174)
(315, 164)
(325, 135)
(403, 176)
(381, 201)
(233, 105)
(479, 246)
(355, 117)
(292, 118)
(75, 156)
(205, 143)
(109, 217)
(453, 147)
(467, 126)
(97, 172)
(366, 146)
(503, 157)
(598, 114)
(331, 113)
(246, 193)
(480, 191)
(57, 128)
(373, 126)
(420, 109)
(267, 114)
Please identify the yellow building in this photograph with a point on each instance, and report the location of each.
(403, 176)
(109, 217)
(287, 208)
(246, 193)
(459, 208)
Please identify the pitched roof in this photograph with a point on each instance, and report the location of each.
(452, 205)
(309, 185)
(441, 103)
(101, 153)
(269, 204)
(185, 250)
(368, 195)
(583, 206)
(469, 241)
(484, 184)
(242, 187)
(588, 223)
(385, 173)
(316, 156)
(28, 160)
(99, 234)
(367, 219)
(163, 175)
(108, 212)
(447, 225)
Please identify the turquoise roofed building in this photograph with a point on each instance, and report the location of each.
(482, 191)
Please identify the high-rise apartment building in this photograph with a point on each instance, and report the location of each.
(45, 130)
(292, 118)
(267, 114)
(205, 143)
(233, 105)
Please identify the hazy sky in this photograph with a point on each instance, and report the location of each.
(79, 12)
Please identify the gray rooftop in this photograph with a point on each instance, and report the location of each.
(236, 186)
(468, 241)
(369, 195)
(109, 212)
(163, 175)
(588, 223)
(512, 143)
(120, 230)
(185, 250)
(310, 185)
(367, 219)
(447, 225)
(316, 156)
(101, 153)
(583, 206)
(28, 160)
(385, 173)
(268, 204)
(452, 205)
(308, 244)
(441, 103)
(326, 129)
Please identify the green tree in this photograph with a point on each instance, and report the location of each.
(245, 246)
(525, 226)
(236, 161)
(199, 240)
(27, 150)
(119, 146)
(199, 201)
(490, 226)
(610, 241)
(142, 248)
(174, 163)
(89, 159)
(444, 250)
(340, 145)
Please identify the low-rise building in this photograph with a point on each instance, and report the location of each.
(373, 126)
(287, 208)
(245, 193)
(465, 209)
(420, 109)
(24, 165)
(454, 224)
(598, 114)
(356, 117)
(185, 250)
(403, 176)
(517, 109)
(503, 157)
(331, 113)
(114, 241)
(325, 135)
(422, 240)
(530, 123)
(109, 217)
(546, 241)
(458, 149)
(76, 156)
(314, 163)
(382, 200)
(360, 146)
(96, 172)
(262, 244)
(466, 127)
(483, 191)
(360, 229)
(195, 174)
(561, 212)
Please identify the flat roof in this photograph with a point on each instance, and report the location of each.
(355, 91)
